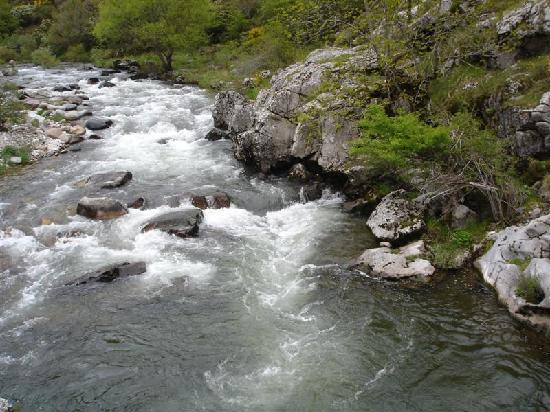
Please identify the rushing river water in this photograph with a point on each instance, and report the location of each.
(249, 316)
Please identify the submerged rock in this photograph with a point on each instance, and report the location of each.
(106, 83)
(520, 253)
(100, 208)
(404, 263)
(396, 218)
(180, 223)
(216, 134)
(109, 180)
(218, 200)
(139, 203)
(98, 124)
(111, 273)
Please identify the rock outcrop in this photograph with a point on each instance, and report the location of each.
(404, 263)
(296, 120)
(180, 223)
(396, 218)
(519, 253)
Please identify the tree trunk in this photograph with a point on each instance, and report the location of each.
(166, 59)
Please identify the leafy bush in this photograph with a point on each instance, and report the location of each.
(529, 288)
(390, 142)
(44, 57)
(76, 53)
(7, 54)
(10, 108)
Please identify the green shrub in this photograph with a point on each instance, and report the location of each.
(44, 57)
(529, 288)
(388, 142)
(76, 53)
(10, 107)
(7, 54)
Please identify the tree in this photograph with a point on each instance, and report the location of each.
(160, 27)
(8, 23)
(72, 26)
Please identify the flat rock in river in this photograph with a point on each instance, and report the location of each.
(110, 180)
(111, 273)
(181, 223)
(100, 208)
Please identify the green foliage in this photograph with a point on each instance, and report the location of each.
(7, 54)
(161, 27)
(76, 53)
(448, 244)
(390, 142)
(529, 288)
(72, 28)
(44, 57)
(10, 151)
(8, 22)
(10, 107)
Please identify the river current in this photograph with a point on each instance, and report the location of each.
(252, 315)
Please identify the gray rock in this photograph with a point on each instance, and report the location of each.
(61, 89)
(396, 218)
(54, 132)
(180, 223)
(93, 80)
(69, 138)
(267, 133)
(111, 273)
(98, 124)
(529, 243)
(106, 84)
(463, 216)
(100, 208)
(69, 107)
(110, 180)
(216, 134)
(401, 264)
(76, 115)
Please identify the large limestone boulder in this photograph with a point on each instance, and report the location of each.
(295, 120)
(404, 263)
(180, 223)
(503, 267)
(396, 218)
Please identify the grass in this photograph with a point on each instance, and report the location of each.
(529, 288)
(447, 244)
(521, 263)
(10, 151)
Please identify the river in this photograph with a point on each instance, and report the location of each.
(250, 316)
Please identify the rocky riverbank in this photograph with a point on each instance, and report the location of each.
(304, 123)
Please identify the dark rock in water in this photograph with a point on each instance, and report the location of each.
(219, 200)
(106, 84)
(311, 192)
(110, 180)
(299, 173)
(98, 124)
(69, 107)
(216, 134)
(162, 141)
(137, 204)
(181, 223)
(108, 72)
(100, 208)
(139, 76)
(95, 137)
(75, 149)
(93, 80)
(62, 89)
(126, 65)
(74, 86)
(111, 273)
(199, 201)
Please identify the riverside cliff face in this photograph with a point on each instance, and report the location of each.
(296, 120)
